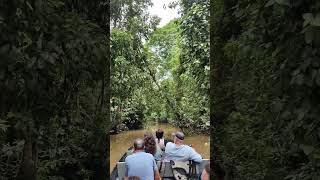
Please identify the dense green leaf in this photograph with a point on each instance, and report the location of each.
(307, 149)
(265, 88)
(54, 90)
(283, 2)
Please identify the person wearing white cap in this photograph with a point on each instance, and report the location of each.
(177, 151)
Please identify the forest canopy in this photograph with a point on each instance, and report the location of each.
(154, 80)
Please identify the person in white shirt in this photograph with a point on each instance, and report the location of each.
(178, 151)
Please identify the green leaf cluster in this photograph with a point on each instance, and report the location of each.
(53, 81)
(265, 108)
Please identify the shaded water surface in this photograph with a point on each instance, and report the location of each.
(120, 143)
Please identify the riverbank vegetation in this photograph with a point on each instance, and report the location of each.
(160, 74)
(265, 88)
(54, 89)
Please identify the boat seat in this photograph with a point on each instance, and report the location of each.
(167, 169)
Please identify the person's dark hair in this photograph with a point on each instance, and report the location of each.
(159, 134)
(134, 178)
(138, 144)
(150, 143)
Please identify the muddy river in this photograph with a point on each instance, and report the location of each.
(120, 143)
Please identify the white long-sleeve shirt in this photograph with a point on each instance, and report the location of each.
(181, 153)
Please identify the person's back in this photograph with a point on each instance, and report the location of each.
(179, 152)
(141, 164)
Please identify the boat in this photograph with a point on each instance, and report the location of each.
(168, 170)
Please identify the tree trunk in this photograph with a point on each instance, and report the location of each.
(102, 156)
(28, 167)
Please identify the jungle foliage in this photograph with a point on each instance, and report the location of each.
(131, 84)
(265, 88)
(152, 77)
(194, 62)
(54, 81)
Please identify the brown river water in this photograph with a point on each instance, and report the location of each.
(120, 143)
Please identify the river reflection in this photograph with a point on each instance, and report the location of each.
(120, 143)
